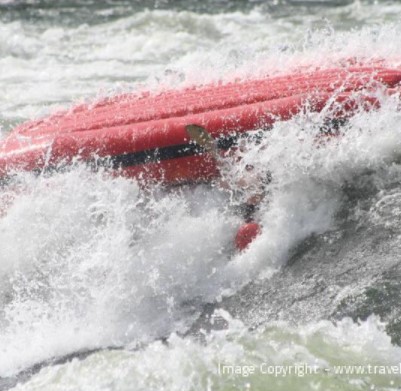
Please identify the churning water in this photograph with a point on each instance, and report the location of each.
(103, 287)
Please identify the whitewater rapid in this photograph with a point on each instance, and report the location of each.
(51, 61)
(93, 263)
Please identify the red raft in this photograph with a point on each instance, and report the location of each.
(144, 136)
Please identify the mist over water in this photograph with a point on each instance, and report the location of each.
(90, 262)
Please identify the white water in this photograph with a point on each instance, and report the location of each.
(98, 268)
(87, 261)
(43, 66)
(186, 365)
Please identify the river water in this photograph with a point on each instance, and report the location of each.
(104, 288)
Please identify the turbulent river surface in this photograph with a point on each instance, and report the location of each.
(103, 287)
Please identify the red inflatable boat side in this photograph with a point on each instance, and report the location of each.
(144, 136)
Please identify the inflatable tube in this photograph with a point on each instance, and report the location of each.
(143, 136)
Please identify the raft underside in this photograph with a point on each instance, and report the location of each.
(144, 136)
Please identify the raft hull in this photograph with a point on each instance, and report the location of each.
(143, 136)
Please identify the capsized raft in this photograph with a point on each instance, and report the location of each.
(143, 136)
